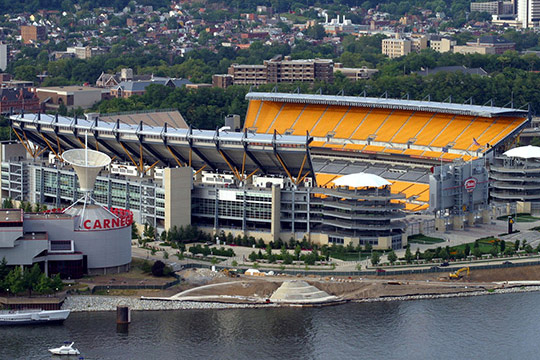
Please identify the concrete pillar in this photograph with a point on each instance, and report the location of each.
(470, 218)
(383, 243)
(457, 223)
(523, 207)
(440, 224)
(353, 241)
(486, 217)
(404, 240)
(178, 183)
(275, 227)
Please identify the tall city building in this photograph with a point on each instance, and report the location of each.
(528, 12)
(3, 57)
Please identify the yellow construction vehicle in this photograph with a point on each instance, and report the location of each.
(457, 274)
(230, 273)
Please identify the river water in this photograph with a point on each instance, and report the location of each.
(503, 326)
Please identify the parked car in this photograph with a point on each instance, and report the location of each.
(445, 264)
(380, 270)
(507, 263)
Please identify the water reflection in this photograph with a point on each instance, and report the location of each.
(495, 327)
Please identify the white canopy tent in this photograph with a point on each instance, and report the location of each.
(360, 180)
(524, 152)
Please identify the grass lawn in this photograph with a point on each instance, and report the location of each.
(484, 245)
(521, 218)
(423, 239)
(294, 17)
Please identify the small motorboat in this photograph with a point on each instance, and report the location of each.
(66, 349)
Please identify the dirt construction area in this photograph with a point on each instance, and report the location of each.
(355, 288)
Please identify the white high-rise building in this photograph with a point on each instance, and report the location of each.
(3, 57)
(528, 12)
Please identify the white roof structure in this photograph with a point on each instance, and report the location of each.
(524, 152)
(361, 180)
(387, 103)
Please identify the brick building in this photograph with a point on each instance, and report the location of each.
(17, 100)
(31, 33)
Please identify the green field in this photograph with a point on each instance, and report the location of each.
(521, 218)
(483, 244)
(423, 239)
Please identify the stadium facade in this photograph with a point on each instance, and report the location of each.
(277, 178)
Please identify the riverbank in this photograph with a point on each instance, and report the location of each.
(92, 303)
(89, 303)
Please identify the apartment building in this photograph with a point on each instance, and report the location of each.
(488, 44)
(396, 47)
(441, 44)
(494, 7)
(32, 33)
(276, 70)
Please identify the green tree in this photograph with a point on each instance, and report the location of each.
(7, 203)
(375, 258)
(516, 245)
(444, 254)
(310, 258)
(297, 252)
(134, 231)
(158, 269)
(316, 32)
(57, 284)
(503, 246)
(4, 270)
(44, 285)
(467, 250)
(477, 252)
(253, 256)
(14, 281)
(268, 249)
(392, 257)
(30, 278)
(287, 259)
(408, 254)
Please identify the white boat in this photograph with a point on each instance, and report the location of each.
(66, 349)
(25, 317)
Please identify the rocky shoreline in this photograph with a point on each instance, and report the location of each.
(508, 290)
(90, 303)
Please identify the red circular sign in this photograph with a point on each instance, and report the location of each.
(470, 184)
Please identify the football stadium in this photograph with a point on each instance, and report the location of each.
(331, 169)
